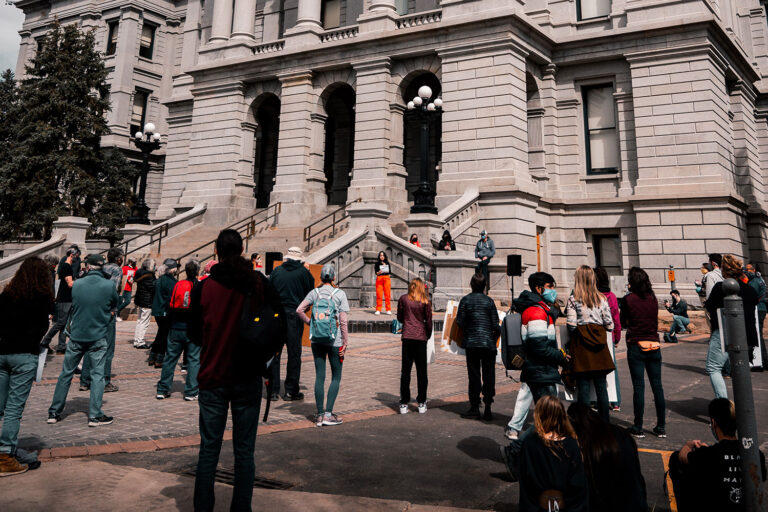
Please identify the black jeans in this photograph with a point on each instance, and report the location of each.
(482, 268)
(540, 390)
(294, 333)
(161, 339)
(763, 350)
(640, 362)
(601, 391)
(414, 351)
(59, 323)
(481, 359)
(245, 400)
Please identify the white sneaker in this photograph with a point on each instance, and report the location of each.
(119, 319)
(377, 313)
(423, 408)
(403, 408)
(389, 312)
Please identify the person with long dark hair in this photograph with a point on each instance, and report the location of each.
(383, 282)
(551, 470)
(24, 307)
(415, 313)
(611, 463)
(640, 316)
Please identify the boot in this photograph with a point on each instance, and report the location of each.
(10, 466)
(473, 412)
(487, 414)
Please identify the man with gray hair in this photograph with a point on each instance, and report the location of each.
(94, 300)
(161, 305)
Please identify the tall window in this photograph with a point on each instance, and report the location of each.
(40, 42)
(147, 41)
(607, 249)
(587, 9)
(139, 111)
(600, 126)
(112, 37)
(401, 6)
(331, 14)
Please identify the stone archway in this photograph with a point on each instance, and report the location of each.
(411, 128)
(339, 149)
(267, 116)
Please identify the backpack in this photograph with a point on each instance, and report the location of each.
(322, 325)
(180, 297)
(512, 350)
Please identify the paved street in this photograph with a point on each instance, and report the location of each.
(376, 459)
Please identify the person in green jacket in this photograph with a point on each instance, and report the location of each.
(161, 307)
(94, 300)
(757, 282)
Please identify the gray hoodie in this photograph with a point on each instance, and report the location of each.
(485, 248)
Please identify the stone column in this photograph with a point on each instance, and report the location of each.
(222, 21)
(310, 12)
(298, 186)
(745, 144)
(191, 37)
(317, 150)
(74, 230)
(396, 172)
(548, 95)
(627, 146)
(245, 19)
(24, 46)
(380, 16)
(121, 91)
(308, 25)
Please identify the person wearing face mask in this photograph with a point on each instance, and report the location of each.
(709, 477)
(415, 240)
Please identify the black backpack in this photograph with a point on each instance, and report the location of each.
(512, 350)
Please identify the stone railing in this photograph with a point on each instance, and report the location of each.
(339, 33)
(420, 18)
(461, 215)
(271, 47)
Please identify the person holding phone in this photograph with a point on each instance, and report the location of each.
(383, 283)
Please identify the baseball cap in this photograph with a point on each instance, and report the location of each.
(483, 233)
(328, 273)
(170, 263)
(96, 260)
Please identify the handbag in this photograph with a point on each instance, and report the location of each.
(648, 346)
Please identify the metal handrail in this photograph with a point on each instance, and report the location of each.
(246, 227)
(161, 230)
(308, 235)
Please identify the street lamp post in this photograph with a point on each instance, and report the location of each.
(147, 142)
(424, 196)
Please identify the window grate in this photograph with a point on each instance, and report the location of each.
(227, 476)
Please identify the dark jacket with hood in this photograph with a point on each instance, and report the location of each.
(446, 243)
(145, 288)
(542, 357)
(293, 282)
(161, 304)
(749, 300)
(214, 320)
(479, 319)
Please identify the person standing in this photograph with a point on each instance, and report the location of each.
(485, 250)
(716, 358)
(552, 473)
(161, 304)
(114, 272)
(589, 320)
(758, 284)
(24, 307)
(640, 316)
(129, 271)
(415, 313)
(715, 276)
(293, 282)
(329, 336)
(383, 282)
(604, 287)
(680, 321)
(63, 303)
(94, 301)
(178, 341)
(144, 281)
(479, 319)
(227, 375)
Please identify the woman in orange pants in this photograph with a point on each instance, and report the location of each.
(383, 283)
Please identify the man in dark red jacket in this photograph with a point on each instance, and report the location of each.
(228, 374)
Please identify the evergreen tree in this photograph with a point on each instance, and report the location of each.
(58, 167)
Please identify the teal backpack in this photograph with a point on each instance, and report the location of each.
(322, 325)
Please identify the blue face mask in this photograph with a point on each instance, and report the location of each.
(549, 295)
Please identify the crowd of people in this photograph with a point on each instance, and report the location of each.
(573, 459)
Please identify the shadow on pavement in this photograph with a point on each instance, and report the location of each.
(389, 400)
(692, 408)
(685, 367)
(481, 448)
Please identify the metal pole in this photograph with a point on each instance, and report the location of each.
(738, 351)
(672, 278)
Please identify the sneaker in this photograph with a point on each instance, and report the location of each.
(510, 433)
(87, 387)
(319, 420)
(637, 432)
(659, 432)
(275, 397)
(78, 370)
(377, 313)
(473, 412)
(101, 420)
(119, 319)
(111, 388)
(293, 396)
(389, 312)
(403, 408)
(53, 418)
(191, 398)
(422, 408)
(141, 345)
(10, 466)
(331, 419)
(162, 396)
(616, 408)
(184, 369)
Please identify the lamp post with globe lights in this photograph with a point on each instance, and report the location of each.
(424, 196)
(147, 142)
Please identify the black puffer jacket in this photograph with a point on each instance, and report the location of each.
(479, 319)
(144, 281)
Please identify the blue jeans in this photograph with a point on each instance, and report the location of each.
(214, 404)
(125, 300)
(679, 323)
(522, 404)
(96, 352)
(85, 377)
(177, 342)
(17, 371)
(716, 360)
(540, 390)
(639, 363)
(601, 391)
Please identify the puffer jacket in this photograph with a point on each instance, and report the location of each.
(542, 357)
(144, 281)
(478, 318)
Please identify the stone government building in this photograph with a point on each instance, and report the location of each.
(610, 132)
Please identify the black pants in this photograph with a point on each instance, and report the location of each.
(686, 489)
(59, 323)
(482, 268)
(161, 339)
(481, 359)
(293, 350)
(540, 390)
(763, 350)
(414, 351)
